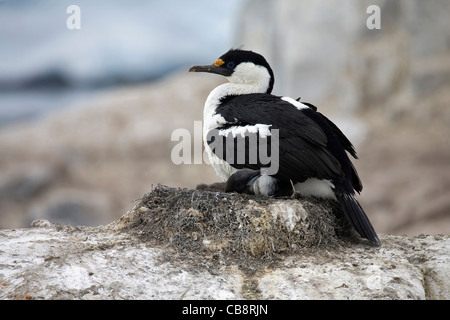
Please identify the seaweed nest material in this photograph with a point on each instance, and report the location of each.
(211, 222)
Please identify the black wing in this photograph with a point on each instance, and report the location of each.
(305, 148)
(310, 145)
(334, 134)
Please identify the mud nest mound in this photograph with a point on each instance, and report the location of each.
(211, 222)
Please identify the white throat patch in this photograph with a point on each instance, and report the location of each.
(249, 78)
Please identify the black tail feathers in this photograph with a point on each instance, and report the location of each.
(357, 217)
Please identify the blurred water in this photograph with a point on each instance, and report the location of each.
(45, 66)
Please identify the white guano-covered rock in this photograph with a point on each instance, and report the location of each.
(127, 259)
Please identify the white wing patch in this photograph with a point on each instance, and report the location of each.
(316, 188)
(296, 103)
(262, 129)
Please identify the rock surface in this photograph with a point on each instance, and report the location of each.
(387, 89)
(173, 245)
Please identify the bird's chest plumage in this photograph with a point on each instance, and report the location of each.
(212, 120)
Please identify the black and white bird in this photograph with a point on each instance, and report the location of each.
(312, 151)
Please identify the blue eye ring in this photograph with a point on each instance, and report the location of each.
(231, 65)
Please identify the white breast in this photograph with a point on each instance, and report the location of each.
(212, 120)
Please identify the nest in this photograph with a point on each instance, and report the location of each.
(207, 222)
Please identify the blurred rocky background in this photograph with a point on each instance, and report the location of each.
(86, 116)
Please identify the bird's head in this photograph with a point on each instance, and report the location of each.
(242, 67)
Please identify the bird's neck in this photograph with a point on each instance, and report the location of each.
(232, 89)
(246, 87)
(213, 120)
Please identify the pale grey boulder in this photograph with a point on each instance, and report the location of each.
(197, 244)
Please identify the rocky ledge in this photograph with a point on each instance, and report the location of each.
(205, 244)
